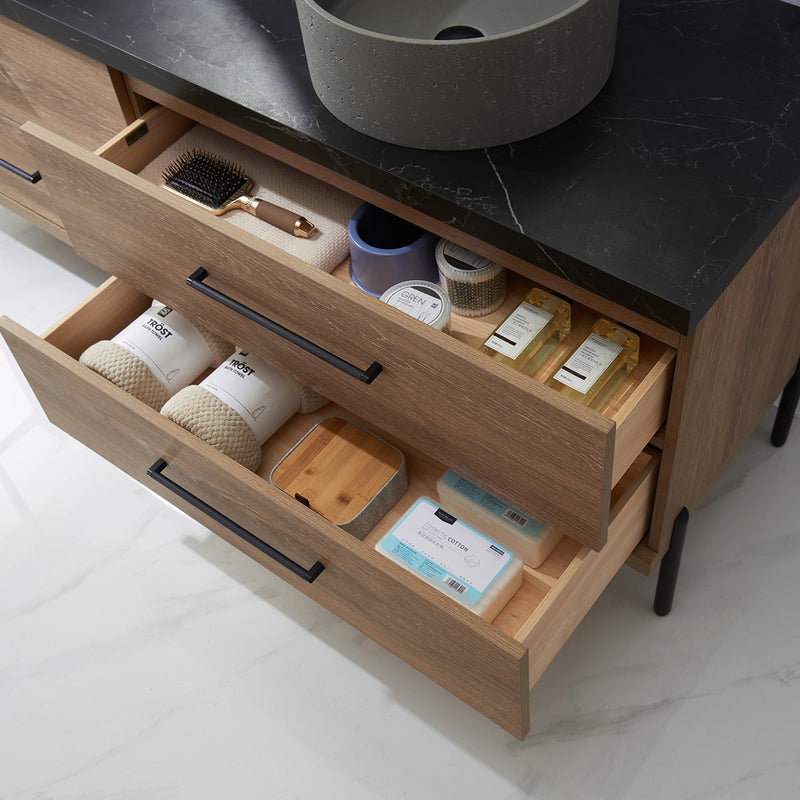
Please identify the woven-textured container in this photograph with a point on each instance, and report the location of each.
(475, 285)
(126, 370)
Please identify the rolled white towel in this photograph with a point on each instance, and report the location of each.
(158, 354)
(240, 405)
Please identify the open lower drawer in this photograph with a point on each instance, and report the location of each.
(489, 666)
(530, 445)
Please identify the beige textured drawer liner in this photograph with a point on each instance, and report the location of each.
(328, 208)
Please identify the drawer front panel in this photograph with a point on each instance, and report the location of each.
(13, 102)
(476, 662)
(33, 195)
(501, 429)
(64, 90)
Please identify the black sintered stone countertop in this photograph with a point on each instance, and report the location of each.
(654, 196)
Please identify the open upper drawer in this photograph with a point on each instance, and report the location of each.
(536, 449)
(489, 666)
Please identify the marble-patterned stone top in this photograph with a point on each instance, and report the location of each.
(655, 195)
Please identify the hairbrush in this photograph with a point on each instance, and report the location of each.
(220, 186)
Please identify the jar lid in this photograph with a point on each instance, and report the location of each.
(423, 300)
(458, 263)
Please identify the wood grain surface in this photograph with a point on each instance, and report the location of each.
(509, 433)
(34, 196)
(57, 87)
(337, 469)
(728, 374)
(488, 666)
(475, 661)
(456, 234)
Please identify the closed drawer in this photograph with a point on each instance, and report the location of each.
(533, 447)
(20, 178)
(44, 81)
(489, 666)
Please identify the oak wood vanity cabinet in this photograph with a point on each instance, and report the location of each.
(611, 481)
(66, 91)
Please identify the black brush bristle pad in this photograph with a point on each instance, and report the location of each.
(205, 177)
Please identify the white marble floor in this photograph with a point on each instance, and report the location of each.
(142, 657)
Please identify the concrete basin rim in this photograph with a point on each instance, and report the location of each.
(476, 42)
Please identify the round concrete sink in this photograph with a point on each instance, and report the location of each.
(457, 74)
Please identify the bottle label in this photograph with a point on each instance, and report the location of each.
(518, 330)
(582, 369)
(261, 395)
(463, 259)
(419, 302)
(447, 552)
(525, 523)
(173, 349)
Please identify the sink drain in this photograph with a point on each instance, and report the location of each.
(458, 32)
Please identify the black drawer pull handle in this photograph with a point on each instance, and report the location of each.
(308, 575)
(31, 177)
(195, 280)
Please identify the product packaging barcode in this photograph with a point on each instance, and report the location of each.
(517, 519)
(453, 584)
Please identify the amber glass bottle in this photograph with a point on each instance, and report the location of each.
(594, 370)
(530, 333)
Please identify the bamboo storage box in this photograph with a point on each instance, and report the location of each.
(344, 473)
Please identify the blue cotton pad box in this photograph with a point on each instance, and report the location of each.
(454, 558)
(529, 537)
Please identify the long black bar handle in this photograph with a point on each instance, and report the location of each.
(31, 177)
(156, 472)
(195, 280)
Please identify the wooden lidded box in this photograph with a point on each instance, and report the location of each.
(344, 473)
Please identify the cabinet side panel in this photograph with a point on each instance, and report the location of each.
(728, 374)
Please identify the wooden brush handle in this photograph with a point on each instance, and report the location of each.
(282, 218)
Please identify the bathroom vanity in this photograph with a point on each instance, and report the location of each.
(669, 204)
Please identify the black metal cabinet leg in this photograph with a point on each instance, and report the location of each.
(786, 409)
(670, 564)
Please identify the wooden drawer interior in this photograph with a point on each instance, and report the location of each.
(656, 358)
(534, 624)
(165, 126)
(528, 444)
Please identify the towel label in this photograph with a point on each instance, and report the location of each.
(173, 349)
(525, 523)
(518, 330)
(446, 551)
(261, 395)
(582, 369)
